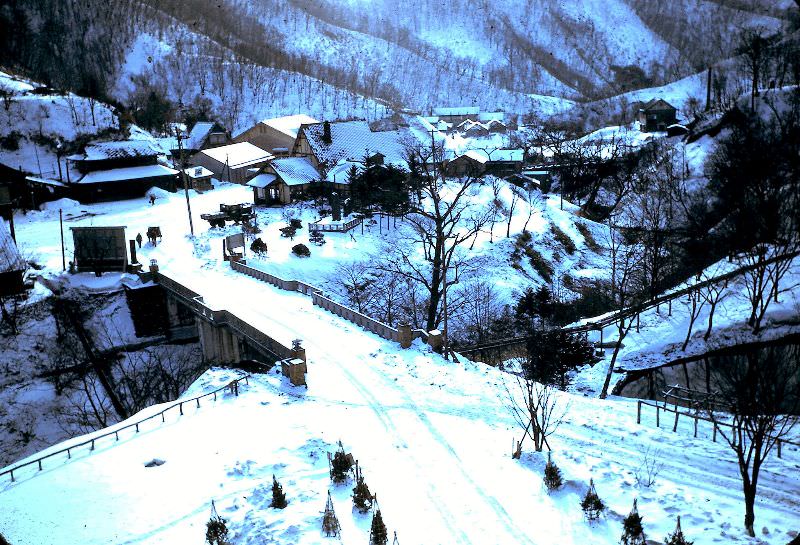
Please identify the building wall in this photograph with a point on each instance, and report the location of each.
(462, 166)
(265, 137)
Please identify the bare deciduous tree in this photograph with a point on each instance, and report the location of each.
(535, 408)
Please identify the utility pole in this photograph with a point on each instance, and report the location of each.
(61, 228)
(182, 167)
(444, 304)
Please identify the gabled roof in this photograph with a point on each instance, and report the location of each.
(198, 134)
(340, 173)
(198, 172)
(491, 116)
(295, 170)
(657, 104)
(352, 140)
(481, 156)
(118, 150)
(10, 258)
(262, 180)
(238, 155)
(289, 124)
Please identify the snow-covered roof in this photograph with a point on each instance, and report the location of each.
(262, 180)
(295, 170)
(238, 155)
(128, 173)
(10, 258)
(289, 124)
(198, 134)
(491, 116)
(119, 150)
(462, 110)
(340, 173)
(351, 140)
(657, 104)
(198, 172)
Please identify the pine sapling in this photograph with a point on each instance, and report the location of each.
(378, 534)
(330, 524)
(552, 475)
(278, 497)
(632, 531)
(216, 528)
(362, 497)
(591, 504)
(676, 537)
(341, 465)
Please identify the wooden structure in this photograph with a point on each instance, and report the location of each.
(283, 180)
(657, 115)
(232, 163)
(199, 178)
(501, 162)
(100, 249)
(12, 265)
(275, 135)
(457, 115)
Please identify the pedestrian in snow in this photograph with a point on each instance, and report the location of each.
(152, 200)
(139, 239)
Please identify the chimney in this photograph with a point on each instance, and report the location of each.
(326, 132)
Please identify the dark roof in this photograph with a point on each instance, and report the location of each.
(657, 104)
(10, 258)
(119, 150)
(351, 140)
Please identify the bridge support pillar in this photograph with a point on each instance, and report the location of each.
(172, 312)
(208, 340)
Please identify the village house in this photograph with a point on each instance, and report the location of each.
(657, 115)
(282, 180)
(454, 116)
(275, 135)
(232, 163)
(199, 178)
(326, 144)
(480, 162)
(109, 171)
(12, 265)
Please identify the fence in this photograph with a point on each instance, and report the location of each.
(334, 227)
(233, 386)
(370, 324)
(696, 418)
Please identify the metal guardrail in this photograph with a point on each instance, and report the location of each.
(335, 228)
(697, 418)
(233, 386)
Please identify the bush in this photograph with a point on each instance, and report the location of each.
(632, 530)
(377, 532)
(542, 267)
(676, 537)
(296, 223)
(258, 247)
(362, 497)
(591, 503)
(340, 465)
(288, 232)
(11, 143)
(316, 237)
(301, 250)
(588, 238)
(278, 497)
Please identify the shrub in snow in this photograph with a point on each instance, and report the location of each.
(362, 497)
(301, 250)
(258, 247)
(216, 529)
(288, 232)
(296, 223)
(552, 475)
(591, 503)
(330, 524)
(278, 497)
(341, 464)
(317, 238)
(377, 532)
(632, 531)
(676, 537)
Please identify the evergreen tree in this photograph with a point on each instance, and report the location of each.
(552, 475)
(632, 531)
(278, 497)
(377, 532)
(362, 497)
(216, 528)
(676, 537)
(591, 504)
(330, 524)
(340, 465)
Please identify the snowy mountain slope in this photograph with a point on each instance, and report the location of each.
(431, 436)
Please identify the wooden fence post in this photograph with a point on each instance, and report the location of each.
(638, 412)
(779, 448)
(695, 425)
(180, 406)
(658, 416)
(675, 425)
(39, 461)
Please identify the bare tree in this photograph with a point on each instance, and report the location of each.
(535, 408)
(713, 294)
(757, 404)
(694, 306)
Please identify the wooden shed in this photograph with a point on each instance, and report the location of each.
(12, 265)
(100, 249)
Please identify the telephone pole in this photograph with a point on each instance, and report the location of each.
(182, 167)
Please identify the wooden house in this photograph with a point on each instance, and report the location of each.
(12, 265)
(657, 115)
(275, 135)
(232, 163)
(114, 171)
(502, 162)
(205, 135)
(283, 180)
(199, 178)
(457, 115)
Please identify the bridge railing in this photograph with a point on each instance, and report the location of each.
(233, 386)
(319, 299)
